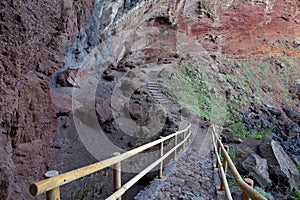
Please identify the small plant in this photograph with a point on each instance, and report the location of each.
(295, 194)
(144, 97)
(231, 181)
(246, 176)
(264, 193)
(290, 63)
(237, 128)
(190, 90)
(232, 153)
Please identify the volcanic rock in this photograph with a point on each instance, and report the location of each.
(72, 78)
(256, 166)
(104, 111)
(282, 170)
(64, 104)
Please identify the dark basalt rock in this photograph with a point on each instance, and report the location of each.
(274, 111)
(292, 114)
(256, 166)
(283, 172)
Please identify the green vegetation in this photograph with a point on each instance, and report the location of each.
(190, 90)
(144, 97)
(295, 195)
(231, 181)
(235, 127)
(290, 64)
(232, 152)
(264, 193)
(238, 129)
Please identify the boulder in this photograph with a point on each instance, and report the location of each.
(108, 75)
(127, 4)
(298, 92)
(72, 78)
(292, 114)
(104, 111)
(256, 166)
(62, 103)
(127, 87)
(283, 172)
(274, 111)
(294, 131)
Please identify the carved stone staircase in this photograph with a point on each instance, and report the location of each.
(154, 89)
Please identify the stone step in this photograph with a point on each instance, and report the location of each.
(153, 84)
(157, 95)
(155, 91)
(153, 88)
(160, 99)
(162, 102)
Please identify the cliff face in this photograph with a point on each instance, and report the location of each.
(33, 35)
(40, 37)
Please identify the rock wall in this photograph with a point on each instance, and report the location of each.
(40, 37)
(33, 35)
(37, 39)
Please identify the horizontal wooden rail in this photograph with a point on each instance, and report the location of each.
(130, 183)
(223, 174)
(247, 189)
(62, 179)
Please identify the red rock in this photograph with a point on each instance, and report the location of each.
(104, 111)
(33, 35)
(73, 78)
(64, 103)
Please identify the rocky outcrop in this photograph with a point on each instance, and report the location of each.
(37, 39)
(257, 167)
(33, 35)
(103, 111)
(283, 171)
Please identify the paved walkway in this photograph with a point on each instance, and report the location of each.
(191, 177)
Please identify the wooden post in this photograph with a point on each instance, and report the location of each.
(224, 165)
(175, 152)
(244, 194)
(218, 149)
(53, 194)
(117, 174)
(162, 162)
(183, 146)
(219, 146)
(189, 136)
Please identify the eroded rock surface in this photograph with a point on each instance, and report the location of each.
(33, 35)
(283, 171)
(256, 166)
(37, 39)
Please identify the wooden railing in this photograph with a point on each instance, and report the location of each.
(52, 185)
(245, 185)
